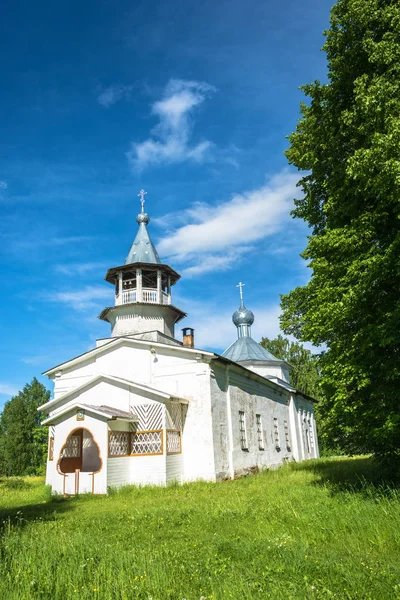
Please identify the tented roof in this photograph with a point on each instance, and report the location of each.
(245, 348)
(142, 249)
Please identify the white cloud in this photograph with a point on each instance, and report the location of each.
(169, 141)
(7, 389)
(215, 237)
(113, 93)
(3, 185)
(83, 299)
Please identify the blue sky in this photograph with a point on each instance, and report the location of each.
(190, 100)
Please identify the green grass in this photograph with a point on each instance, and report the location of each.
(324, 529)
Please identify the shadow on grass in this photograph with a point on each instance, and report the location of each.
(47, 510)
(360, 475)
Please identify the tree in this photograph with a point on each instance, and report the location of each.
(23, 440)
(348, 143)
(305, 373)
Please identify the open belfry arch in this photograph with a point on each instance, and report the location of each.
(143, 407)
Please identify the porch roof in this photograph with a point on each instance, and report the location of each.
(109, 412)
(159, 394)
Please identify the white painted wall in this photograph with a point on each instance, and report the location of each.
(130, 318)
(174, 467)
(232, 391)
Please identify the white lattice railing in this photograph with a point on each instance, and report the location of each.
(119, 443)
(72, 448)
(147, 442)
(174, 441)
(126, 443)
(148, 295)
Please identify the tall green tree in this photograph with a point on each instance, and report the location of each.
(23, 440)
(305, 374)
(347, 142)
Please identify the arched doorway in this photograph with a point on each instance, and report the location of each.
(79, 461)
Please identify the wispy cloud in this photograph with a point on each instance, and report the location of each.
(36, 360)
(80, 268)
(88, 297)
(7, 389)
(215, 237)
(108, 96)
(169, 141)
(3, 185)
(213, 324)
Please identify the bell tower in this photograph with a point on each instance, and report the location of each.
(143, 299)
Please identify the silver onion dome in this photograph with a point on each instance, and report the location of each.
(143, 218)
(243, 316)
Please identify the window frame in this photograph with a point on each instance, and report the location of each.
(51, 448)
(276, 434)
(244, 442)
(113, 432)
(260, 434)
(287, 436)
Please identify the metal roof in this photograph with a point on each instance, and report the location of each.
(245, 348)
(142, 249)
(114, 413)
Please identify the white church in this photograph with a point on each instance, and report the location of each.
(143, 407)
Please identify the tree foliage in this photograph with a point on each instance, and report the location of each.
(305, 373)
(23, 440)
(348, 143)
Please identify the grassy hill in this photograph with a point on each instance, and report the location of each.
(317, 530)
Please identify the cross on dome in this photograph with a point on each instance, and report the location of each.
(240, 285)
(142, 194)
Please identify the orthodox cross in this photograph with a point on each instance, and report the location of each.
(142, 194)
(240, 286)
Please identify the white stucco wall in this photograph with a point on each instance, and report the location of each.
(252, 398)
(127, 319)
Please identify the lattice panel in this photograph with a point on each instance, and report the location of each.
(119, 443)
(147, 442)
(173, 415)
(72, 447)
(150, 416)
(173, 442)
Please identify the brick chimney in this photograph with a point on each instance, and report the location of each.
(188, 337)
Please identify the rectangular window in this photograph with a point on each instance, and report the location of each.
(287, 437)
(51, 448)
(242, 429)
(119, 443)
(147, 442)
(311, 434)
(260, 436)
(174, 442)
(276, 434)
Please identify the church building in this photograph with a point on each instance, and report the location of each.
(144, 407)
